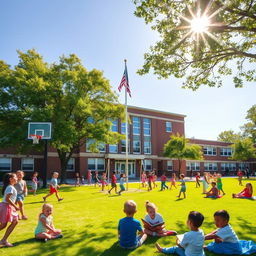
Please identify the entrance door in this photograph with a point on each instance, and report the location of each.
(120, 168)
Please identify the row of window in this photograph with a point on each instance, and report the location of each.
(212, 151)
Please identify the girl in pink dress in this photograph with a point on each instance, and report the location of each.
(173, 181)
(143, 179)
(8, 209)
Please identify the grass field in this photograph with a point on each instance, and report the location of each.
(88, 219)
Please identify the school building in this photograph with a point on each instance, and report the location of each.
(148, 130)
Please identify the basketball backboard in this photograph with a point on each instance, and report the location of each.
(43, 129)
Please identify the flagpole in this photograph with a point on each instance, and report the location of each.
(126, 134)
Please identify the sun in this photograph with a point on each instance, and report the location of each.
(200, 24)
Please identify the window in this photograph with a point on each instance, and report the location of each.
(193, 166)
(136, 125)
(210, 151)
(114, 127)
(228, 167)
(123, 146)
(71, 164)
(100, 147)
(123, 125)
(113, 148)
(169, 165)
(243, 166)
(208, 166)
(5, 164)
(148, 165)
(168, 126)
(96, 164)
(27, 164)
(226, 151)
(136, 144)
(147, 147)
(146, 127)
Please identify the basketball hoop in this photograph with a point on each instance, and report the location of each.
(36, 138)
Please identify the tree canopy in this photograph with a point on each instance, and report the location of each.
(229, 136)
(249, 129)
(243, 150)
(78, 102)
(179, 147)
(201, 40)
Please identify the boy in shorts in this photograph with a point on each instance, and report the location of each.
(53, 186)
(128, 227)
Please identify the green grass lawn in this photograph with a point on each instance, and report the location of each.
(89, 218)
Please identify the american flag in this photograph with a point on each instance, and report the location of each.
(125, 82)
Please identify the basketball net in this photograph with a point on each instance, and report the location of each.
(36, 138)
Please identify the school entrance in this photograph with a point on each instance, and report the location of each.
(120, 168)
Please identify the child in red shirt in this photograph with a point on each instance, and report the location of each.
(163, 180)
(113, 182)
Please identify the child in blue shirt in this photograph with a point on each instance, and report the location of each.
(192, 242)
(128, 227)
(226, 240)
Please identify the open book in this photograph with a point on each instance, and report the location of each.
(146, 224)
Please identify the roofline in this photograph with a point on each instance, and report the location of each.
(211, 140)
(156, 111)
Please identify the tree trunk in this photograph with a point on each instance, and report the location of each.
(63, 166)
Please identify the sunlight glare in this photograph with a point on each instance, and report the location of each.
(200, 24)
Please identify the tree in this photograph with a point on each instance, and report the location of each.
(249, 129)
(229, 136)
(201, 40)
(79, 103)
(243, 150)
(178, 147)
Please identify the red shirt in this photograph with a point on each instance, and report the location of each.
(113, 179)
(246, 193)
(197, 177)
(163, 178)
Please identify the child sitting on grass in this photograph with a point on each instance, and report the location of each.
(45, 229)
(214, 192)
(245, 193)
(191, 243)
(154, 222)
(128, 227)
(226, 240)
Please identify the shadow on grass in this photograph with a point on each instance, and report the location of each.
(248, 229)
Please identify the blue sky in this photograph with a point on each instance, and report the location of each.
(104, 33)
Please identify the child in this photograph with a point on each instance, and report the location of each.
(82, 180)
(77, 179)
(154, 179)
(89, 177)
(198, 180)
(192, 241)
(96, 179)
(103, 181)
(226, 240)
(214, 192)
(245, 193)
(53, 186)
(8, 209)
(113, 182)
(173, 181)
(21, 187)
(150, 179)
(240, 177)
(153, 218)
(163, 180)
(219, 183)
(143, 179)
(183, 186)
(128, 227)
(121, 184)
(34, 183)
(45, 229)
(205, 182)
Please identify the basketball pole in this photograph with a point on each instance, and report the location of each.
(45, 163)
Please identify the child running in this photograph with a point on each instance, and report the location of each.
(154, 179)
(121, 184)
(34, 183)
(163, 180)
(173, 181)
(45, 229)
(219, 184)
(77, 179)
(240, 177)
(21, 187)
(53, 186)
(128, 227)
(245, 193)
(113, 182)
(191, 243)
(103, 181)
(154, 222)
(214, 192)
(198, 180)
(183, 186)
(8, 209)
(205, 182)
(143, 179)
(226, 240)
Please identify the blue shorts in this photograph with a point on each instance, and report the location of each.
(183, 189)
(20, 197)
(122, 187)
